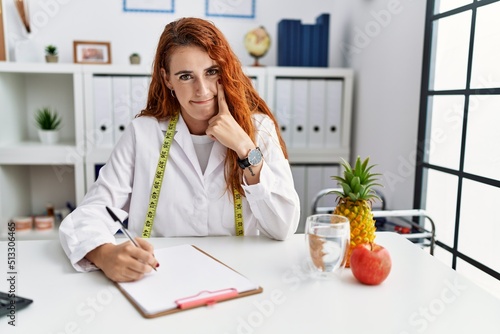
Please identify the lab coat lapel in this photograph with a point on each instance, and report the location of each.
(216, 157)
(183, 138)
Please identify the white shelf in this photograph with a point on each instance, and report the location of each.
(47, 68)
(117, 69)
(311, 72)
(36, 153)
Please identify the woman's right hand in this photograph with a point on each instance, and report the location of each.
(124, 262)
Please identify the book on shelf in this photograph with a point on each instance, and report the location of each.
(303, 44)
(323, 22)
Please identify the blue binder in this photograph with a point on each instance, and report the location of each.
(303, 44)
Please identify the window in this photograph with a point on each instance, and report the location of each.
(458, 165)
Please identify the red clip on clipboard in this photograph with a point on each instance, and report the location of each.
(206, 298)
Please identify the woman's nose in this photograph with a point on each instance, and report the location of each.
(202, 87)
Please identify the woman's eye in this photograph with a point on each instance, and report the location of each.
(213, 71)
(185, 77)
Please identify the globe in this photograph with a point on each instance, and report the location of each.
(257, 43)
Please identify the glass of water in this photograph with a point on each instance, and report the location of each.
(327, 240)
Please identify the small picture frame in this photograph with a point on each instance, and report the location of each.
(149, 6)
(88, 52)
(230, 8)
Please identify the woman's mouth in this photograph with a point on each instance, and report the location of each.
(201, 102)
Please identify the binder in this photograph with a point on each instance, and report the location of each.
(328, 172)
(323, 21)
(315, 51)
(307, 45)
(300, 92)
(295, 51)
(283, 108)
(289, 42)
(122, 105)
(317, 110)
(303, 44)
(299, 181)
(254, 83)
(315, 182)
(283, 43)
(187, 278)
(333, 112)
(103, 111)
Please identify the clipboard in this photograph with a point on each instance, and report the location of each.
(187, 278)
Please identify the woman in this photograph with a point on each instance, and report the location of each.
(217, 145)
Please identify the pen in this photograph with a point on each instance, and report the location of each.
(124, 229)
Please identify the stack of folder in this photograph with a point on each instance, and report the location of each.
(303, 44)
(117, 99)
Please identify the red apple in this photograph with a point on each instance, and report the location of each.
(370, 263)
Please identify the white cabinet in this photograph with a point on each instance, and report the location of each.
(312, 105)
(33, 174)
(113, 96)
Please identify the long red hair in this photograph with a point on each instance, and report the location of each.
(242, 98)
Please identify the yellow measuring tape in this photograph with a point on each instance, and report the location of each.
(158, 180)
(238, 213)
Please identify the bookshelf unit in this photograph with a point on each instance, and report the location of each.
(33, 174)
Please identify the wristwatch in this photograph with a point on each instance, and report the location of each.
(253, 159)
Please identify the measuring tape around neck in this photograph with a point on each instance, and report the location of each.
(158, 180)
(238, 213)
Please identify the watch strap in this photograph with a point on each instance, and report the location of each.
(244, 163)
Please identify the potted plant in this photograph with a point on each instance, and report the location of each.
(48, 122)
(135, 58)
(51, 54)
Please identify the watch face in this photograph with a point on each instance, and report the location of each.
(254, 157)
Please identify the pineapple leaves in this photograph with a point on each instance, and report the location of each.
(358, 182)
(346, 188)
(355, 184)
(357, 167)
(348, 176)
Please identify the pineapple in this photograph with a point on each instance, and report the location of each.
(354, 202)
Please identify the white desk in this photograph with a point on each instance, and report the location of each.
(421, 295)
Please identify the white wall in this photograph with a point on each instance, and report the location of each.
(387, 61)
(385, 47)
(60, 22)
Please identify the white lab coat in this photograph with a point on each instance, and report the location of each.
(191, 203)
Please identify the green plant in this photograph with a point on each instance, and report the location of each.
(51, 50)
(134, 55)
(47, 119)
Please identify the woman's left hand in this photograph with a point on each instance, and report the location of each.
(224, 128)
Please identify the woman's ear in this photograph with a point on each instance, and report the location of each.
(164, 76)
